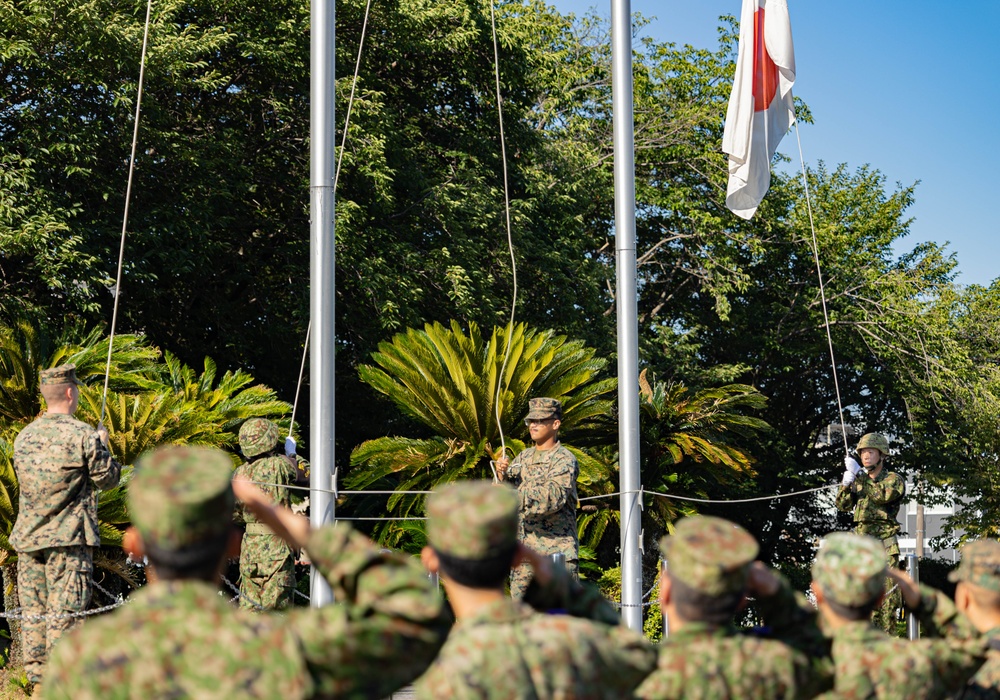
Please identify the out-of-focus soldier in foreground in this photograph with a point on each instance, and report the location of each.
(530, 649)
(178, 638)
(977, 595)
(849, 582)
(711, 571)
(60, 464)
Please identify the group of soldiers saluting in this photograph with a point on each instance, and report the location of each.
(177, 638)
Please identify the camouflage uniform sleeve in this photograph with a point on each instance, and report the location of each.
(239, 511)
(386, 627)
(847, 497)
(940, 618)
(564, 593)
(104, 471)
(955, 659)
(547, 492)
(883, 492)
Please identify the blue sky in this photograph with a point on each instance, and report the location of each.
(910, 88)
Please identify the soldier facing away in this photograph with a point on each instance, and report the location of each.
(506, 649)
(60, 464)
(977, 595)
(545, 477)
(711, 570)
(178, 638)
(873, 494)
(849, 581)
(267, 563)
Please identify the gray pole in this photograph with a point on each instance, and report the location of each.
(912, 624)
(322, 133)
(628, 324)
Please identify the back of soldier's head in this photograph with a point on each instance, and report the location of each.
(181, 502)
(979, 571)
(708, 562)
(850, 570)
(472, 527)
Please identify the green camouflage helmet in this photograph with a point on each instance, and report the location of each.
(257, 436)
(875, 441)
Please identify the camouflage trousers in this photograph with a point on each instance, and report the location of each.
(520, 578)
(51, 582)
(267, 572)
(885, 616)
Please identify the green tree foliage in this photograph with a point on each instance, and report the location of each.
(449, 382)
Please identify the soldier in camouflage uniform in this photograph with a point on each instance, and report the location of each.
(873, 494)
(710, 572)
(848, 580)
(178, 638)
(60, 464)
(545, 477)
(977, 595)
(503, 649)
(267, 563)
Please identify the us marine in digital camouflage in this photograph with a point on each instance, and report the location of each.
(60, 464)
(711, 571)
(506, 649)
(849, 579)
(873, 495)
(178, 638)
(267, 563)
(545, 477)
(977, 595)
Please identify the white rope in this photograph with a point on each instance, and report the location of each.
(742, 500)
(336, 179)
(822, 291)
(128, 197)
(510, 243)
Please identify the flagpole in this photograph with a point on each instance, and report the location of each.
(322, 132)
(628, 323)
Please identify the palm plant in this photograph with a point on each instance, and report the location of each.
(689, 443)
(450, 382)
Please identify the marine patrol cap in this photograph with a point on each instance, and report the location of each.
(850, 568)
(542, 408)
(63, 374)
(980, 565)
(472, 519)
(710, 554)
(182, 495)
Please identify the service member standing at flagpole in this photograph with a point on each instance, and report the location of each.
(545, 476)
(873, 494)
(60, 464)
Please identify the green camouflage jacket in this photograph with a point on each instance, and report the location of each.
(267, 469)
(871, 664)
(511, 650)
(875, 503)
(60, 464)
(546, 488)
(789, 659)
(182, 640)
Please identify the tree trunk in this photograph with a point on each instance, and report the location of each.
(12, 602)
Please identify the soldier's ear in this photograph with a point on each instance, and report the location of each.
(133, 545)
(556, 423)
(962, 597)
(429, 558)
(665, 589)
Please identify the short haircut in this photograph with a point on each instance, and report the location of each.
(478, 573)
(696, 606)
(852, 613)
(198, 561)
(55, 393)
(984, 598)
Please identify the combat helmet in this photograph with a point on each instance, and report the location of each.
(257, 436)
(875, 441)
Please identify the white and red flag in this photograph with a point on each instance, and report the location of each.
(760, 107)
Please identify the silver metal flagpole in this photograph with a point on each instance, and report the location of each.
(628, 322)
(322, 133)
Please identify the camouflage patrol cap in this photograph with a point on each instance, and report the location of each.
(257, 436)
(472, 519)
(542, 408)
(182, 496)
(850, 568)
(980, 565)
(710, 554)
(63, 374)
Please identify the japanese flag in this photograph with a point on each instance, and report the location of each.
(760, 106)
